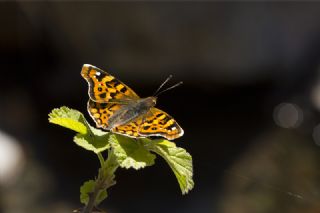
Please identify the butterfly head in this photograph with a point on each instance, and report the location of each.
(151, 101)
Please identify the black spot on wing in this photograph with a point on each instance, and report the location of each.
(89, 70)
(113, 95)
(101, 76)
(123, 90)
(165, 120)
(108, 86)
(116, 83)
(102, 95)
(103, 105)
(158, 115)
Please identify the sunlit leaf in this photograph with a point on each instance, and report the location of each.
(179, 160)
(68, 118)
(130, 152)
(88, 137)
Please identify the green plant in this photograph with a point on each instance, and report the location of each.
(123, 152)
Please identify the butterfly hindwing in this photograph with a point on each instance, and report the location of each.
(159, 123)
(154, 123)
(101, 112)
(104, 88)
(131, 129)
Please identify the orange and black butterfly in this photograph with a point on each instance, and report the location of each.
(117, 108)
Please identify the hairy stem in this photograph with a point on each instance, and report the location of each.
(104, 180)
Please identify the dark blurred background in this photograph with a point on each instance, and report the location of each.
(249, 104)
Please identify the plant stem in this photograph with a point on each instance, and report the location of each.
(101, 159)
(105, 179)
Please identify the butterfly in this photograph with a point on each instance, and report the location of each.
(117, 108)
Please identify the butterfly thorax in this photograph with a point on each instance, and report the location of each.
(131, 111)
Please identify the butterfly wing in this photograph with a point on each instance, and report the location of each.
(130, 129)
(159, 123)
(104, 88)
(101, 112)
(154, 123)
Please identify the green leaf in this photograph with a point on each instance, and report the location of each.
(96, 140)
(87, 188)
(88, 137)
(178, 159)
(68, 118)
(131, 153)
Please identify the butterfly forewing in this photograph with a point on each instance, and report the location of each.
(104, 88)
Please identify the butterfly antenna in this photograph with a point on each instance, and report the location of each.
(155, 94)
(176, 85)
